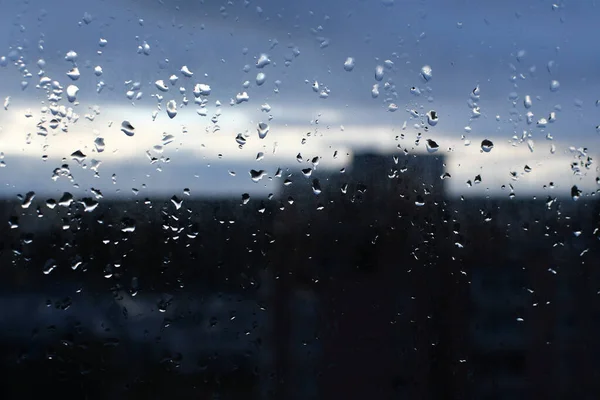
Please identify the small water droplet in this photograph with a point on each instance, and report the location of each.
(349, 64)
(257, 175)
(379, 72)
(99, 143)
(262, 129)
(78, 156)
(554, 85)
(28, 199)
(241, 97)
(245, 198)
(575, 193)
(487, 145)
(185, 71)
(171, 109)
(127, 128)
(316, 187)
(375, 91)
(432, 118)
(201, 89)
(260, 78)
(432, 146)
(263, 60)
(72, 91)
(74, 73)
(527, 101)
(426, 73)
(161, 85)
(49, 266)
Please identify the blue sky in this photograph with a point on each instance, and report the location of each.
(502, 47)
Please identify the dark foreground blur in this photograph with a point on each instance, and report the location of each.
(367, 284)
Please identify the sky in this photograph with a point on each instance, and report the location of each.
(487, 60)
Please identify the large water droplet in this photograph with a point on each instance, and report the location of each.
(127, 128)
(171, 109)
(263, 129)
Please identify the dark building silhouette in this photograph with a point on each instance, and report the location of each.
(369, 283)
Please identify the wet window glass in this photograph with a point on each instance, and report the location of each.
(299, 199)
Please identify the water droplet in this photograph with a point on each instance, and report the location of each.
(379, 72)
(241, 97)
(49, 266)
(89, 204)
(375, 91)
(185, 71)
(66, 200)
(128, 225)
(74, 73)
(263, 129)
(316, 187)
(392, 107)
(171, 109)
(71, 56)
(240, 139)
(554, 85)
(177, 202)
(78, 156)
(257, 175)
(99, 143)
(432, 146)
(575, 193)
(245, 198)
(98, 70)
(260, 78)
(527, 101)
(201, 89)
(28, 199)
(127, 128)
(263, 61)
(426, 73)
(432, 118)
(542, 122)
(72, 91)
(161, 85)
(487, 145)
(349, 64)
(144, 48)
